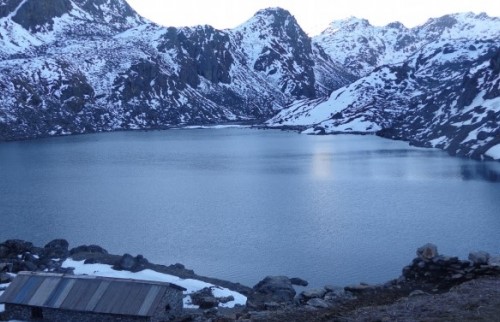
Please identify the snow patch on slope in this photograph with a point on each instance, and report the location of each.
(190, 285)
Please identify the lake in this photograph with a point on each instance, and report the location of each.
(240, 204)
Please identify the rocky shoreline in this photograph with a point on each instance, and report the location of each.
(275, 297)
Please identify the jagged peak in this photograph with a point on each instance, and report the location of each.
(348, 24)
(396, 25)
(271, 18)
(273, 11)
(449, 20)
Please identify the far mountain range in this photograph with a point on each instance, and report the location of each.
(82, 66)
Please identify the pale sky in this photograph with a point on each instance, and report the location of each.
(313, 15)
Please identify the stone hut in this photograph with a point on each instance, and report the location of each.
(81, 298)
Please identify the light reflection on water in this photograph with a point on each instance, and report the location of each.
(242, 204)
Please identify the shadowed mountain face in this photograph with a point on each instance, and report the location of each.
(95, 65)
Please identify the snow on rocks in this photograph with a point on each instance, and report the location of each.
(190, 285)
(494, 152)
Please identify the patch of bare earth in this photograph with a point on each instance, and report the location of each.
(477, 300)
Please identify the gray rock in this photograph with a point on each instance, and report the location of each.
(225, 299)
(339, 296)
(319, 303)
(427, 252)
(494, 261)
(88, 249)
(129, 263)
(479, 258)
(298, 281)
(313, 293)
(417, 293)
(204, 298)
(331, 288)
(17, 246)
(57, 248)
(207, 302)
(271, 289)
(359, 288)
(125, 263)
(272, 306)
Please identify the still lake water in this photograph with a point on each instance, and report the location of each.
(240, 204)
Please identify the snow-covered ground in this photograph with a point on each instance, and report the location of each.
(149, 275)
(494, 152)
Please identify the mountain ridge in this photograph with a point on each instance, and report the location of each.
(424, 95)
(99, 66)
(84, 66)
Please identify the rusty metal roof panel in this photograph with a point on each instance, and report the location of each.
(86, 293)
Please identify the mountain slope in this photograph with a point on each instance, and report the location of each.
(444, 95)
(77, 66)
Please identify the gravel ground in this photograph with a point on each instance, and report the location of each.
(477, 300)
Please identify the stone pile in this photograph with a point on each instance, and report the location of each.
(323, 297)
(430, 267)
(277, 292)
(206, 299)
(19, 255)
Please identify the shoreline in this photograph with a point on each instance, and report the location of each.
(273, 297)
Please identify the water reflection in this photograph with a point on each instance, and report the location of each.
(322, 163)
(487, 171)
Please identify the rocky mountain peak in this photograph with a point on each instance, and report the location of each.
(348, 24)
(110, 11)
(396, 25)
(275, 21)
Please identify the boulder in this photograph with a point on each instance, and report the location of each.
(17, 246)
(58, 243)
(57, 248)
(298, 281)
(225, 299)
(207, 302)
(204, 298)
(427, 252)
(479, 258)
(125, 263)
(361, 288)
(277, 289)
(318, 303)
(494, 261)
(129, 263)
(313, 293)
(88, 249)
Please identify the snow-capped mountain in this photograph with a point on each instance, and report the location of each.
(75, 66)
(445, 94)
(361, 47)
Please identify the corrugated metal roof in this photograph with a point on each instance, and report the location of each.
(86, 293)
